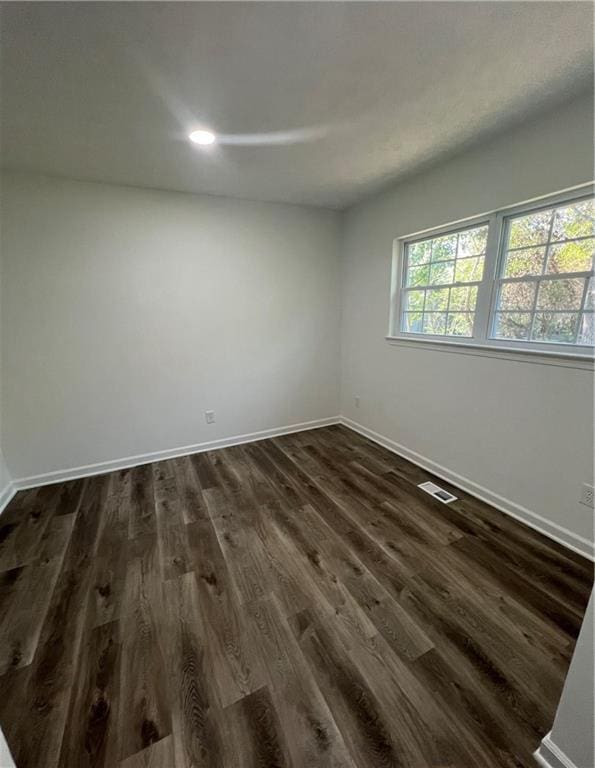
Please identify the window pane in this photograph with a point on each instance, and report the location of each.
(590, 298)
(444, 248)
(437, 299)
(469, 270)
(434, 322)
(529, 230)
(418, 276)
(517, 296)
(554, 326)
(560, 294)
(576, 256)
(463, 299)
(557, 241)
(419, 253)
(457, 257)
(414, 301)
(442, 273)
(587, 330)
(575, 220)
(512, 325)
(459, 324)
(472, 242)
(527, 261)
(413, 322)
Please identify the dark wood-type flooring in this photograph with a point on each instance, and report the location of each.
(290, 602)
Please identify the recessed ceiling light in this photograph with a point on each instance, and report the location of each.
(204, 138)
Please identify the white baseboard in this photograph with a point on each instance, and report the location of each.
(6, 495)
(549, 755)
(59, 476)
(554, 531)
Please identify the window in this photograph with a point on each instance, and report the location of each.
(442, 275)
(521, 278)
(545, 286)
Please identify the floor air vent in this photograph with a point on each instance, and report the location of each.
(437, 492)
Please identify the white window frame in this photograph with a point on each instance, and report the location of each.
(485, 310)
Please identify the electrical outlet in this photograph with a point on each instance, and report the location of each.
(210, 417)
(356, 400)
(587, 495)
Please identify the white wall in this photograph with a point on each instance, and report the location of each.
(520, 430)
(4, 476)
(5, 479)
(127, 313)
(573, 732)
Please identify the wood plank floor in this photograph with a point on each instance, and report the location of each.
(291, 602)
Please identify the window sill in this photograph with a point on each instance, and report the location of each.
(534, 356)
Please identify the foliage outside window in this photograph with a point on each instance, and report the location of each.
(441, 279)
(545, 290)
(521, 278)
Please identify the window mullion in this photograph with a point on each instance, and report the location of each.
(585, 294)
(548, 244)
(534, 311)
(548, 277)
(581, 312)
(403, 306)
(545, 243)
(485, 288)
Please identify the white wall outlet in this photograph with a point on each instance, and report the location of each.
(356, 401)
(587, 495)
(210, 417)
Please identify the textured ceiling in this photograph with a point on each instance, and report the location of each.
(318, 103)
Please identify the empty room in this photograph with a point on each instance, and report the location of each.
(297, 334)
